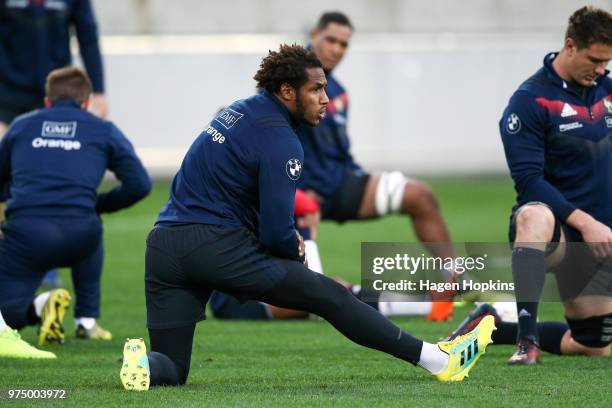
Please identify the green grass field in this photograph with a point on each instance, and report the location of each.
(306, 363)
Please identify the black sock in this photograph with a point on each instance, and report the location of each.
(529, 273)
(550, 334)
(170, 355)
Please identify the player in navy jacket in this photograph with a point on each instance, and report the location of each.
(228, 225)
(557, 135)
(34, 40)
(344, 190)
(53, 161)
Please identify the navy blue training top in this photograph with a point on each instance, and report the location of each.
(35, 39)
(53, 160)
(326, 146)
(558, 142)
(241, 171)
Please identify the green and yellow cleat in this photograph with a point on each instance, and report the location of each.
(464, 351)
(12, 346)
(135, 374)
(95, 333)
(52, 317)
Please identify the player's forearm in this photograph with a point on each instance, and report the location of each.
(579, 220)
(281, 242)
(535, 188)
(126, 195)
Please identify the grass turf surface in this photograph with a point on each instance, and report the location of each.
(305, 363)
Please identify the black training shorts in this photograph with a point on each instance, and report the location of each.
(184, 264)
(343, 205)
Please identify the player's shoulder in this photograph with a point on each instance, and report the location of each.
(267, 112)
(537, 85)
(606, 83)
(333, 81)
(94, 125)
(334, 87)
(23, 124)
(243, 115)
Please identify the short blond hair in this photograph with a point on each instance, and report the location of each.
(68, 83)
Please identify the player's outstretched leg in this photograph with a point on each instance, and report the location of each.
(315, 293)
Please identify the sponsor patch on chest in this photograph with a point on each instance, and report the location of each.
(569, 126)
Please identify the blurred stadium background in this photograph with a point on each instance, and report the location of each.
(428, 80)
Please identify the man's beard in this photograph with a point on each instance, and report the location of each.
(300, 111)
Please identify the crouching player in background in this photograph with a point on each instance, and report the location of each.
(228, 225)
(347, 192)
(557, 133)
(307, 214)
(53, 161)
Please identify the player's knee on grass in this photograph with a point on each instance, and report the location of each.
(591, 336)
(535, 223)
(164, 371)
(170, 355)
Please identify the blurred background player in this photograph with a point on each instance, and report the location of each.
(12, 346)
(34, 40)
(553, 337)
(229, 225)
(53, 161)
(556, 132)
(344, 189)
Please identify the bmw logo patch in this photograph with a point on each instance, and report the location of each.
(294, 169)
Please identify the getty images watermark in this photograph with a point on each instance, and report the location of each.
(452, 268)
(475, 271)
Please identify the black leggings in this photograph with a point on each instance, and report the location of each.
(304, 290)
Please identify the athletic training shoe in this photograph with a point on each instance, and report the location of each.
(134, 374)
(95, 333)
(473, 319)
(527, 353)
(12, 346)
(52, 317)
(464, 351)
(440, 311)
